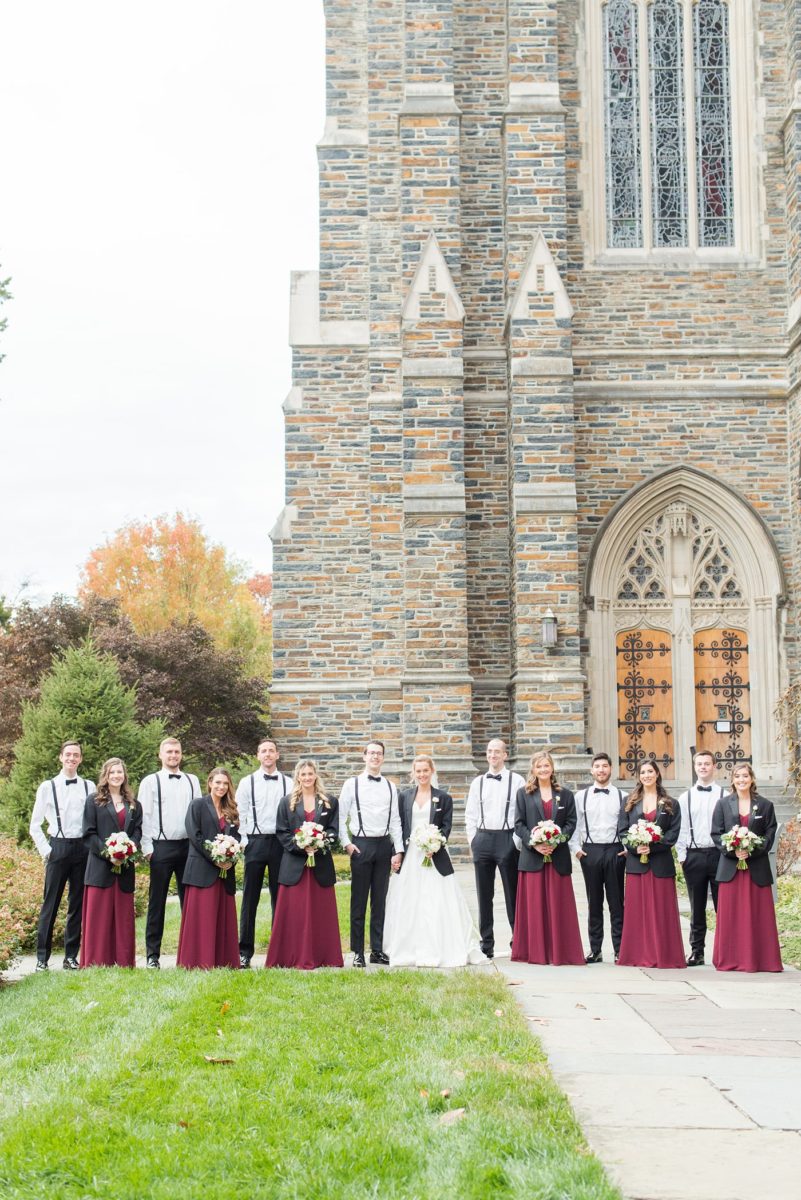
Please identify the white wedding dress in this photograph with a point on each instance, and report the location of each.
(428, 923)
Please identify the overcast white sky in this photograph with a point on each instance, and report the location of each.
(159, 182)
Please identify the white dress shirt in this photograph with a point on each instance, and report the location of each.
(599, 813)
(378, 803)
(492, 793)
(71, 803)
(263, 794)
(176, 796)
(699, 807)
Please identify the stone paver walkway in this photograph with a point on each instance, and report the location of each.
(687, 1084)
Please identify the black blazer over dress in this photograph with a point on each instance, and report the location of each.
(440, 814)
(529, 812)
(202, 825)
(293, 863)
(99, 822)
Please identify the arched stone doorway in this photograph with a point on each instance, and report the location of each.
(685, 596)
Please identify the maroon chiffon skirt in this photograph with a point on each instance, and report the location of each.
(306, 928)
(208, 936)
(746, 938)
(109, 934)
(546, 921)
(651, 927)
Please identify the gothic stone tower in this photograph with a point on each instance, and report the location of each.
(549, 365)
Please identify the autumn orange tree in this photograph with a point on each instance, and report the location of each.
(167, 570)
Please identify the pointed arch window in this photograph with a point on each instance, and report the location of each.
(668, 111)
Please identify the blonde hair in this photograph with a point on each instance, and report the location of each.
(422, 758)
(297, 791)
(532, 782)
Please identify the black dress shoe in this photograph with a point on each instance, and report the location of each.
(488, 953)
(378, 956)
(358, 960)
(696, 959)
(41, 965)
(70, 964)
(153, 962)
(593, 958)
(244, 962)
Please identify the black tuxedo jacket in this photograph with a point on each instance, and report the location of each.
(440, 814)
(202, 825)
(529, 812)
(660, 860)
(762, 822)
(99, 822)
(293, 863)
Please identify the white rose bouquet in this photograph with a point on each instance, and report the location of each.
(120, 851)
(223, 851)
(547, 833)
(643, 833)
(740, 837)
(429, 839)
(312, 838)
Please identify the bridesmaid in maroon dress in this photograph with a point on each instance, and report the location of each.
(108, 896)
(746, 938)
(651, 926)
(546, 922)
(306, 928)
(208, 936)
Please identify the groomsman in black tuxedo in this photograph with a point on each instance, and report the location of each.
(489, 818)
(370, 831)
(165, 797)
(257, 799)
(60, 802)
(696, 851)
(601, 856)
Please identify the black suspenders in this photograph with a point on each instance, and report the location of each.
(158, 789)
(253, 797)
(693, 843)
(360, 831)
(587, 837)
(61, 833)
(506, 824)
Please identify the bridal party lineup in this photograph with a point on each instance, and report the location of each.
(525, 834)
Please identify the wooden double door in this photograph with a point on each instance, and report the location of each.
(646, 700)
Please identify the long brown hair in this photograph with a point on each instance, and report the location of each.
(228, 806)
(662, 797)
(532, 783)
(297, 791)
(103, 793)
(750, 771)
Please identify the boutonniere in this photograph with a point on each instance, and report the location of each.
(756, 811)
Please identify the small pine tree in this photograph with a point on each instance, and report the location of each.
(82, 698)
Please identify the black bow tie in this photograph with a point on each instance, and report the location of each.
(69, 781)
(273, 777)
(701, 788)
(178, 776)
(497, 778)
(374, 778)
(602, 791)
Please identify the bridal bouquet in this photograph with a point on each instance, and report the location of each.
(740, 837)
(549, 834)
(312, 838)
(429, 839)
(224, 850)
(644, 833)
(120, 851)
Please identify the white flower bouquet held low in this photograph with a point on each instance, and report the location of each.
(429, 839)
(120, 851)
(312, 838)
(740, 837)
(223, 851)
(548, 834)
(643, 833)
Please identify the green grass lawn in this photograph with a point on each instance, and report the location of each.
(788, 919)
(172, 923)
(341, 1084)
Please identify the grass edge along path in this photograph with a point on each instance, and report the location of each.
(341, 1084)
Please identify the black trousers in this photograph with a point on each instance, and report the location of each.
(262, 853)
(65, 866)
(169, 858)
(700, 868)
(604, 870)
(369, 875)
(494, 849)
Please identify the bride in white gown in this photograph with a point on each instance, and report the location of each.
(428, 923)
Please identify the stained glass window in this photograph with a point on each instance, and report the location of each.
(668, 132)
(622, 103)
(713, 123)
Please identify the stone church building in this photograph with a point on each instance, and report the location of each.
(542, 443)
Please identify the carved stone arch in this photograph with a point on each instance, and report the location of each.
(685, 552)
